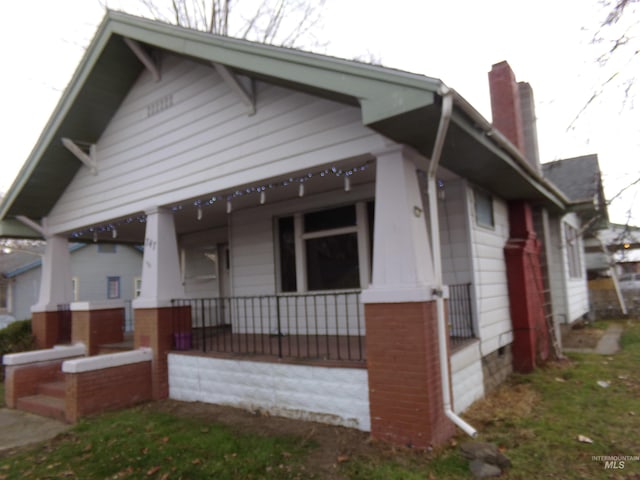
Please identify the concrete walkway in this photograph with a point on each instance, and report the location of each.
(608, 344)
(18, 428)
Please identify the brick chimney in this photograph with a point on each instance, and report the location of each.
(513, 111)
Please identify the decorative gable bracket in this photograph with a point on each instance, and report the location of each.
(246, 97)
(90, 160)
(144, 58)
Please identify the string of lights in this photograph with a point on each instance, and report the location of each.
(261, 190)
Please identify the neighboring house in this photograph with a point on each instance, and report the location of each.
(331, 236)
(581, 181)
(613, 256)
(99, 272)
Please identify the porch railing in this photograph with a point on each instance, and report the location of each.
(325, 326)
(460, 314)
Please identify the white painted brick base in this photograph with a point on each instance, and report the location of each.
(338, 396)
(467, 377)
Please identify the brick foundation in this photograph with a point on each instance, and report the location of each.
(46, 328)
(97, 327)
(405, 389)
(496, 368)
(106, 389)
(154, 329)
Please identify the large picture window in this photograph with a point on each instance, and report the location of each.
(325, 250)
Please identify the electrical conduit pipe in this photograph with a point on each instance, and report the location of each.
(445, 117)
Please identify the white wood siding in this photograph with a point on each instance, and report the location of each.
(203, 141)
(577, 290)
(254, 269)
(490, 277)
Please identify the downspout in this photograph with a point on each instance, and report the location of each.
(447, 108)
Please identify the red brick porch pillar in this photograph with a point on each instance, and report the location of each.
(405, 386)
(524, 275)
(155, 328)
(46, 328)
(96, 324)
(405, 381)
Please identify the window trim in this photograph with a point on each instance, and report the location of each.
(573, 247)
(118, 282)
(478, 193)
(361, 229)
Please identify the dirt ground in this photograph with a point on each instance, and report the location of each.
(332, 444)
(582, 336)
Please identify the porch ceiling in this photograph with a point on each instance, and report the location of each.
(132, 229)
(402, 106)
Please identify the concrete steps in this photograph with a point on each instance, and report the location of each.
(43, 405)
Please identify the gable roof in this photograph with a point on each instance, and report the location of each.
(581, 181)
(402, 106)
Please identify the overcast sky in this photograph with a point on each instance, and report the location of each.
(546, 42)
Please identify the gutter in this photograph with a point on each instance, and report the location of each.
(438, 290)
(501, 141)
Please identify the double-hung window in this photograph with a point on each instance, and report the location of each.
(326, 249)
(572, 238)
(113, 287)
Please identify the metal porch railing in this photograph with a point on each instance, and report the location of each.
(325, 326)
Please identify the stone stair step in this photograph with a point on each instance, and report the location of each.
(43, 405)
(52, 389)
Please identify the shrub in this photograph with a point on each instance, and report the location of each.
(16, 337)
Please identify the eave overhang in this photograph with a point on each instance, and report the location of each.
(402, 106)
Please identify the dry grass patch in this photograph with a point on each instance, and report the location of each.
(508, 402)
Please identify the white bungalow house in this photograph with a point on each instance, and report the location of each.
(322, 238)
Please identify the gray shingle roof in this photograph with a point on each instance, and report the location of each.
(578, 178)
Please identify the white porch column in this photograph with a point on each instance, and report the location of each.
(402, 262)
(55, 283)
(161, 279)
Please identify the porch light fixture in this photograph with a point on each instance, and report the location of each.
(301, 190)
(229, 206)
(263, 197)
(347, 184)
(199, 215)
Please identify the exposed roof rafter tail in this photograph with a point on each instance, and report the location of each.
(90, 160)
(144, 58)
(233, 82)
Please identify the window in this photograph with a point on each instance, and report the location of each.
(75, 288)
(137, 287)
(484, 208)
(325, 250)
(113, 287)
(572, 239)
(5, 296)
(107, 248)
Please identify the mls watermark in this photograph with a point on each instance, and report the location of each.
(615, 462)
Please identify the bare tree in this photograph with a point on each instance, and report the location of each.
(287, 23)
(617, 40)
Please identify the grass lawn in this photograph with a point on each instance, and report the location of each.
(536, 419)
